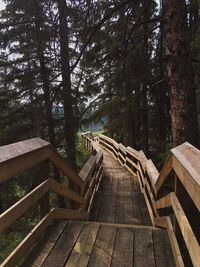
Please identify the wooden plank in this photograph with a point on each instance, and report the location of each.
(144, 211)
(64, 191)
(165, 222)
(8, 217)
(142, 160)
(187, 232)
(152, 172)
(65, 168)
(89, 193)
(29, 240)
(151, 198)
(44, 201)
(148, 204)
(132, 163)
(164, 202)
(82, 250)
(106, 182)
(69, 214)
(103, 248)
(128, 210)
(164, 172)
(94, 212)
(141, 176)
(137, 212)
(44, 246)
(108, 146)
(143, 248)
(64, 245)
(188, 176)
(162, 249)
(88, 168)
(189, 157)
(21, 148)
(132, 152)
(120, 218)
(129, 169)
(123, 249)
(107, 212)
(18, 164)
(174, 244)
(131, 226)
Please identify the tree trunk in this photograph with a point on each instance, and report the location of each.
(70, 125)
(67, 92)
(46, 88)
(144, 85)
(179, 74)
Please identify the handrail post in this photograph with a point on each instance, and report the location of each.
(44, 201)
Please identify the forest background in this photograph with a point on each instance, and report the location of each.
(130, 67)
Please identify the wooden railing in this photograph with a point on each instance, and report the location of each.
(19, 157)
(172, 196)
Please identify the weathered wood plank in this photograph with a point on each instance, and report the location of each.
(26, 243)
(63, 247)
(94, 212)
(69, 214)
(164, 172)
(64, 191)
(103, 248)
(65, 168)
(107, 210)
(120, 218)
(16, 165)
(21, 148)
(82, 250)
(143, 249)
(8, 217)
(44, 246)
(162, 249)
(123, 249)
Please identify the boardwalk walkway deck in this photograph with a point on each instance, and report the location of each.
(119, 199)
(121, 236)
(125, 212)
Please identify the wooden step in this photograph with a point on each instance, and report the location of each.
(99, 244)
(119, 207)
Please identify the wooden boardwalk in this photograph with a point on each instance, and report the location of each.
(122, 235)
(82, 244)
(121, 203)
(119, 199)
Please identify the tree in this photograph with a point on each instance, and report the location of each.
(179, 73)
(66, 83)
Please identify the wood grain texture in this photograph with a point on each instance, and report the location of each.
(82, 250)
(123, 248)
(103, 248)
(64, 245)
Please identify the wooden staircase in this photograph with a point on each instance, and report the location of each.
(125, 212)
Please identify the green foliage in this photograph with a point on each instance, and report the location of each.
(14, 235)
(82, 154)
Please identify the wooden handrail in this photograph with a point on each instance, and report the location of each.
(8, 217)
(191, 242)
(184, 161)
(28, 241)
(18, 157)
(21, 156)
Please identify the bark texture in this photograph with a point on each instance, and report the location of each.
(179, 74)
(67, 92)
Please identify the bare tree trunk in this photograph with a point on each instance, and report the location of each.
(67, 92)
(144, 86)
(70, 125)
(46, 88)
(179, 74)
